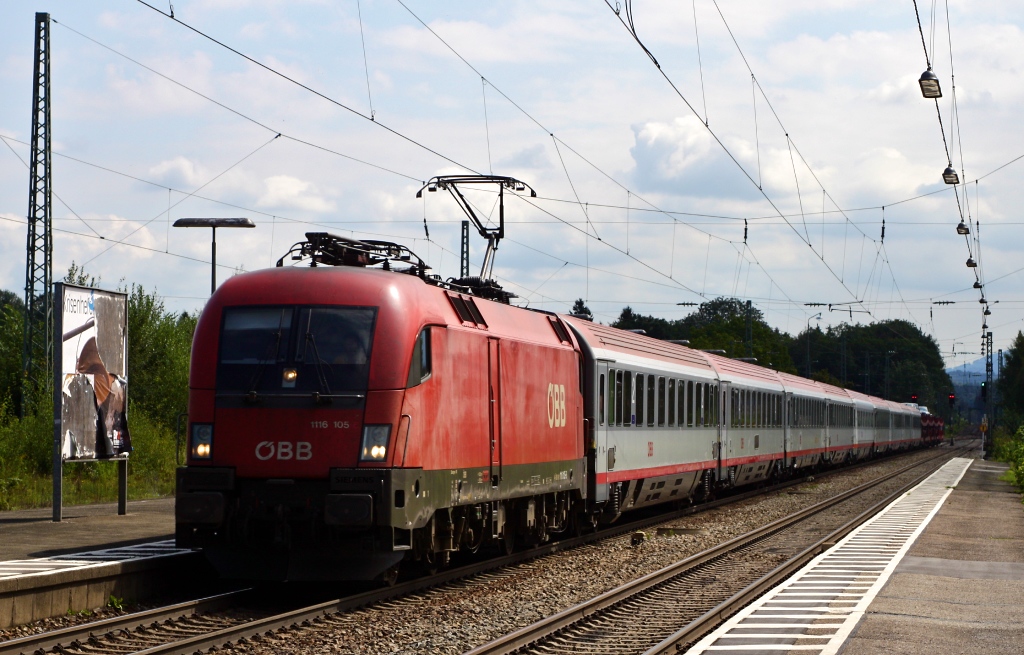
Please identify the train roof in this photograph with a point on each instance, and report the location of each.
(637, 349)
(802, 386)
(864, 401)
(740, 372)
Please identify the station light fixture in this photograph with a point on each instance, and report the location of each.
(962, 228)
(971, 263)
(949, 176)
(987, 312)
(982, 300)
(977, 284)
(213, 224)
(930, 84)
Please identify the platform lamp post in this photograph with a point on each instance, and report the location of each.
(213, 223)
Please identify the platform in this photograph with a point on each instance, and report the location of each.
(48, 569)
(31, 533)
(941, 571)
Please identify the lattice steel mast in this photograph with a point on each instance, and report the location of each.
(37, 351)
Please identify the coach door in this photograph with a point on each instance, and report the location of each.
(604, 416)
(494, 398)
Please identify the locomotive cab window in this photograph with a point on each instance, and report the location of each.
(295, 350)
(420, 368)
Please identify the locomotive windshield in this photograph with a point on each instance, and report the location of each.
(295, 350)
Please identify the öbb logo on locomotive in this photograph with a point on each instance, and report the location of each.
(284, 450)
(556, 405)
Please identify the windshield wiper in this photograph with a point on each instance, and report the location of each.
(272, 351)
(319, 363)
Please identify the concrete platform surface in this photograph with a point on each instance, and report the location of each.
(961, 587)
(31, 533)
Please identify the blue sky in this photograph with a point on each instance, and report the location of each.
(152, 122)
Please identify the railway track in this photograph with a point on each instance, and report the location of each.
(201, 624)
(645, 615)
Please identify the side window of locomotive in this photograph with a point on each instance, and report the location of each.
(420, 367)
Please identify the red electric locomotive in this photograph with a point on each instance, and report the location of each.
(344, 417)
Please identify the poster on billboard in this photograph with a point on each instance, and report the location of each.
(92, 355)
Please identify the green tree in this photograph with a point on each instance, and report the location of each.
(12, 327)
(580, 307)
(1010, 384)
(159, 348)
(719, 324)
(893, 355)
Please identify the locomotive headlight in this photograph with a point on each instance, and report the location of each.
(288, 377)
(202, 441)
(375, 443)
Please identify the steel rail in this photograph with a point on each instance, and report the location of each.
(65, 637)
(525, 636)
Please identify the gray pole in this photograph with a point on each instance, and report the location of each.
(58, 399)
(213, 270)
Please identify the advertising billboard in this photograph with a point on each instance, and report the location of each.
(91, 350)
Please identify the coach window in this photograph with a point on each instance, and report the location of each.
(672, 403)
(600, 400)
(419, 370)
(689, 404)
(640, 391)
(662, 401)
(681, 398)
(617, 399)
(650, 400)
(702, 404)
(714, 404)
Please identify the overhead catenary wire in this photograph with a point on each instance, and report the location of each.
(201, 187)
(725, 149)
(232, 110)
(308, 88)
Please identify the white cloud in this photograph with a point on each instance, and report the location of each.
(284, 192)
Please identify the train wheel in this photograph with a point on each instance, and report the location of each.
(390, 577)
(508, 541)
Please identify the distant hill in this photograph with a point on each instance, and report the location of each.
(969, 374)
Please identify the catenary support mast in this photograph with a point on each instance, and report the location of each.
(37, 351)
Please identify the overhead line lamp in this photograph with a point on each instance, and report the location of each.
(213, 223)
(987, 312)
(962, 228)
(949, 176)
(977, 285)
(930, 84)
(971, 263)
